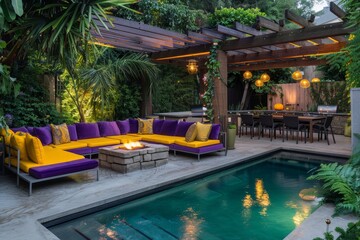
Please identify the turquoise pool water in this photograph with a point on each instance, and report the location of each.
(257, 201)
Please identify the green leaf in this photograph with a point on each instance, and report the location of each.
(18, 7)
(8, 11)
(2, 44)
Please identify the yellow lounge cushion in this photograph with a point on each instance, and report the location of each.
(202, 131)
(125, 138)
(163, 139)
(60, 133)
(197, 144)
(34, 149)
(17, 140)
(99, 142)
(145, 126)
(7, 135)
(70, 145)
(191, 133)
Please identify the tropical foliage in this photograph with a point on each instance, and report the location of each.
(351, 233)
(227, 16)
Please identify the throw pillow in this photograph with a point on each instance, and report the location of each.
(35, 149)
(203, 131)
(60, 133)
(191, 133)
(145, 126)
(44, 134)
(18, 141)
(7, 135)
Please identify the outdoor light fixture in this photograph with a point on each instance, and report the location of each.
(192, 66)
(264, 77)
(304, 83)
(247, 75)
(259, 83)
(297, 75)
(315, 80)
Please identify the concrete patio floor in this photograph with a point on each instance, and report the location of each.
(20, 215)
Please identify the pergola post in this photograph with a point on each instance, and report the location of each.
(220, 99)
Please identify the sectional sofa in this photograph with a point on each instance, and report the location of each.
(74, 156)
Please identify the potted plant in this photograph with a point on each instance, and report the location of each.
(231, 135)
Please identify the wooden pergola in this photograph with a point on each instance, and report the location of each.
(268, 44)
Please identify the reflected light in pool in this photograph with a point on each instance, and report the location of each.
(192, 224)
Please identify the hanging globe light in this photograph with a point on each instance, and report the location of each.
(259, 83)
(247, 75)
(297, 75)
(304, 83)
(315, 80)
(192, 66)
(264, 77)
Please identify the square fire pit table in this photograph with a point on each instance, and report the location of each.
(124, 161)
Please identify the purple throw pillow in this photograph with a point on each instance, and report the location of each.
(124, 126)
(20, 129)
(72, 132)
(134, 125)
(108, 129)
(169, 127)
(182, 128)
(157, 126)
(44, 134)
(215, 131)
(87, 130)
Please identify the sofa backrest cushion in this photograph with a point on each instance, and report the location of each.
(124, 126)
(134, 125)
(44, 134)
(87, 130)
(169, 127)
(30, 130)
(108, 129)
(203, 131)
(60, 133)
(215, 131)
(35, 149)
(157, 126)
(72, 132)
(20, 129)
(182, 128)
(18, 141)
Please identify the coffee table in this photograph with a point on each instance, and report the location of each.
(124, 161)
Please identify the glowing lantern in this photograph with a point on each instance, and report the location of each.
(278, 107)
(297, 75)
(259, 83)
(304, 83)
(247, 75)
(192, 66)
(315, 80)
(265, 77)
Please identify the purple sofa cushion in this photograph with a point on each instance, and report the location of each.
(215, 131)
(157, 126)
(134, 126)
(44, 134)
(81, 151)
(30, 130)
(182, 128)
(72, 132)
(169, 127)
(200, 150)
(124, 126)
(20, 129)
(87, 130)
(108, 129)
(63, 168)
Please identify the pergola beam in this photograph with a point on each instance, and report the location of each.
(298, 20)
(335, 9)
(230, 31)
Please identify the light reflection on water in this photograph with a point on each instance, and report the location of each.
(192, 224)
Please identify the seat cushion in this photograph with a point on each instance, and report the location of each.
(125, 138)
(99, 142)
(44, 134)
(161, 139)
(70, 145)
(200, 150)
(87, 130)
(108, 129)
(196, 144)
(63, 168)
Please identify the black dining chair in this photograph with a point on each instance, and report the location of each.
(291, 123)
(248, 121)
(324, 127)
(267, 123)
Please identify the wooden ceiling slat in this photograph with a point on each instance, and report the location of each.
(298, 20)
(230, 31)
(124, 45)
(268, 24)
(200, 37)
(213, 34)
(335, 9)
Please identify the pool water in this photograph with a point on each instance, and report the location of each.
(252, 201)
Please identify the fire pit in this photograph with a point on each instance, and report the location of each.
(132, 146)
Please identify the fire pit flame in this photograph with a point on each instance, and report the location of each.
(132, 146)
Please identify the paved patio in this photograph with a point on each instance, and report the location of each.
(21, 215)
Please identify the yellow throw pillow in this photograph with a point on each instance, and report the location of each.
(203, 131)
(17, 140)
(60, 133)
(7, 135)
(35, 149)
(145, 126)
(191, 133)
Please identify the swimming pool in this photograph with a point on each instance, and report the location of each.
(258, 200)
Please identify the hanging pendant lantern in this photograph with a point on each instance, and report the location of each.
(315, 80)
(304, 83)
(264, 77)
(247, 75)
(259, 83)
(192, 66)
(297, 75)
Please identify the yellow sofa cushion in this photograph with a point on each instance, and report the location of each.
(125, 138)
(70, 145)
(60, 133)
(202, 131)
(191, 133)
(197, 144)
(163, 139)
(145, 126)
(99, 142)
(17, 140)
(34, 149)
(7, 135)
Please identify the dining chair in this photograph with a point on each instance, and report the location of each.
(267, 122)
(248, 121)
(324, 127)
(291, 123)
